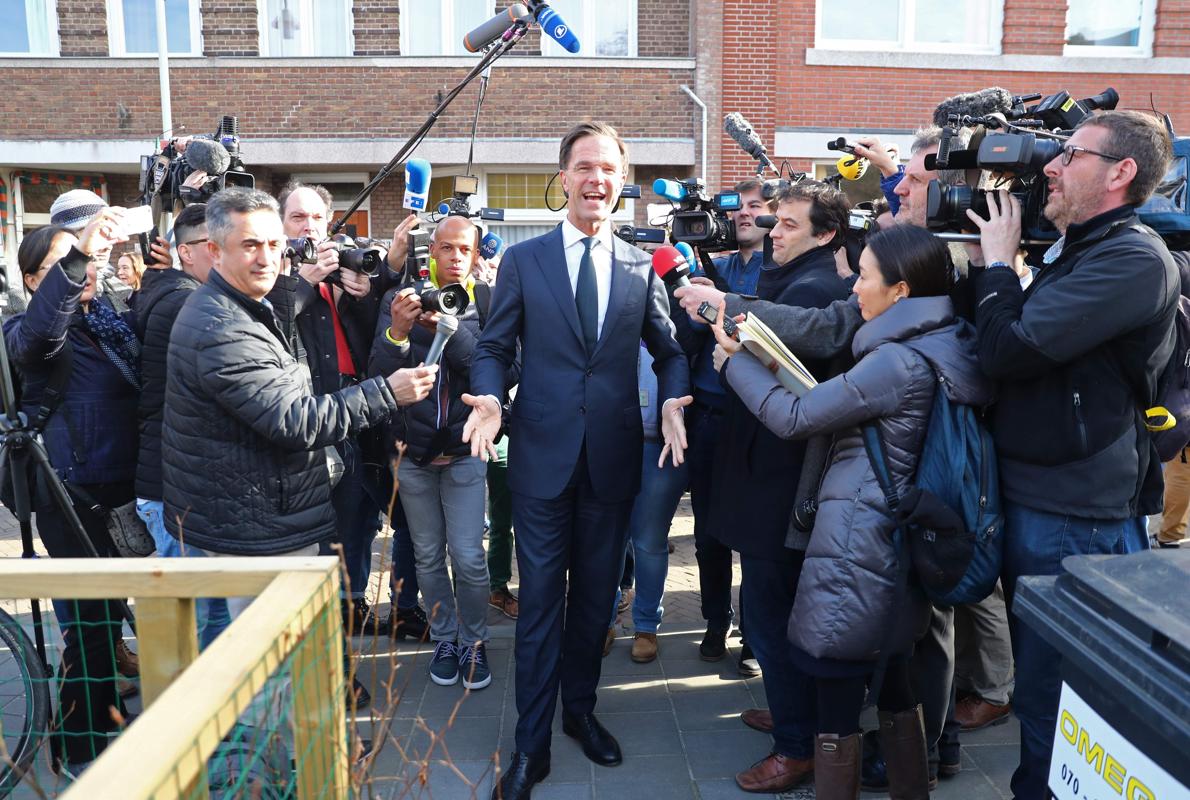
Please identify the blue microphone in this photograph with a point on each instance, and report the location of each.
(491, 245)
(556, 28)
(670, 190)
(688, 253)
(417, 183)
(443, 209)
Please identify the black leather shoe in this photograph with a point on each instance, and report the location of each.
(714, 644)
(523, 771)
(598, 745)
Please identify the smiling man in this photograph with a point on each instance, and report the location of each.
(244, 465)
(580, 302)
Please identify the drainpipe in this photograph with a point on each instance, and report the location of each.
(703, 106)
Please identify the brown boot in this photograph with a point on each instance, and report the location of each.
(758, 719)
(903, 744)
(644, 648)
(837, 763)
(127, 662)
(775, 773)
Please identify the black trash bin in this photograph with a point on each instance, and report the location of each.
(1122, 625)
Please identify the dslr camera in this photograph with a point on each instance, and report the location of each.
(451, 299)
(365, 257)
(699, 219)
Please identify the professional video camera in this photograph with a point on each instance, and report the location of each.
(1008, 150)
(699, 219)
(365, 257)
(459, 203)
(218, 155)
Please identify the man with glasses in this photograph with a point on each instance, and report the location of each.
(1077, 356)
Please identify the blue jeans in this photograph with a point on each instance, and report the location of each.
(210, 612)
(648, 530)
(1035, 542)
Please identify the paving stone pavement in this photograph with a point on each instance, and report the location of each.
(676, 718)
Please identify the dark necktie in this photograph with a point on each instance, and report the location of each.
(586, 297)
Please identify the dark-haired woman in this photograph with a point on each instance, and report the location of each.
(846, 600)
(92, 444)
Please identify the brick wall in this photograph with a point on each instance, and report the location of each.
(376, 27)
(229, 28)
(82, 28)
(663, 28)
(1034, 27)
(1171, 38)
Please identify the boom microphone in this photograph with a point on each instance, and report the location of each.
(491, 245)
(745, 136)
(993, 100)
(671, 267)
(556, 28)
(494, 28)
(446, 329)
(208, 155)
(417, 183)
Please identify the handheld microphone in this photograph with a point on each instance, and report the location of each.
(992, 100)
(556, 28)
(494, 28)
(417, 183)
(491, 245)
(671, 267)
(208, 155)
(670, 190)
(852, 168)
(687, 252)
(745, 136)
(446, 329)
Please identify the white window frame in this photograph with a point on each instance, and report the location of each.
(51, 10)
(552, 49)
(446, 18)
(115, 32)
(542, 215)
(340, 204)
(904, 43)
(305, 31)
(1143, 48)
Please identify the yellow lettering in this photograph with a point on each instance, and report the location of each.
(1093, 753)
(1069, 727)
(1113, 773)
(1138, 791)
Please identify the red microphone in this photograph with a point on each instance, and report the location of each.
(671, 266)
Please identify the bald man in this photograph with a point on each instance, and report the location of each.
(442, 484)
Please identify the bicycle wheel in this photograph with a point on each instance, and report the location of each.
(24, 702)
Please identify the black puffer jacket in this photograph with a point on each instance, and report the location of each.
(244, 462)
(162, 294)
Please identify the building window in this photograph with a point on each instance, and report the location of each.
(523, 191)
(605, 28)
(912, 25)
(132, 27)
(1110, 27)
(437, 27)
(305, 28)
(30, 29)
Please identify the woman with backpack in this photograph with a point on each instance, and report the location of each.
(848, 608)
(72, 343)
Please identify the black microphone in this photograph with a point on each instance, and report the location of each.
(208, 155)
(446, 329)
(495, 27)
(745, 136)
(992, 100)
(959, 159)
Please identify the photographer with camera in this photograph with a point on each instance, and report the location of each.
(442, 485)
(1078, 358)
(79, 367)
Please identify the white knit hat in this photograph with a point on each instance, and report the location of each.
(74, 209)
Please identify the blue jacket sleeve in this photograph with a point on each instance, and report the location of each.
(888, 186)
(41, 332)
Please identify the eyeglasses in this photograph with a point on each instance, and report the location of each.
(1069, 151)
(195, 241)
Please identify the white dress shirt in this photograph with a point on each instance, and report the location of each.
(601, 255)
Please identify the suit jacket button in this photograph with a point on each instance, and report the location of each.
(582, 409)
(590, 372)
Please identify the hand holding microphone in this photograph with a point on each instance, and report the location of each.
(446, 327)
(417, 183)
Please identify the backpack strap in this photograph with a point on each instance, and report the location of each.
(483, 302)
(55, 389)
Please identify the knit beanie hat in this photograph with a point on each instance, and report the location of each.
(74, 209)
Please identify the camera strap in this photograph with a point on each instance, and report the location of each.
(55, 388)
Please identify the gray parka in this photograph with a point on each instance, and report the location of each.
(847, 583)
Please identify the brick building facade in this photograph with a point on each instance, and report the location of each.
(330, 91)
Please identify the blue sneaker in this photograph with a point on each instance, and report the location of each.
(444, 666)
(473, 662)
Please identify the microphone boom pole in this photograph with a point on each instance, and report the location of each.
(519, 29)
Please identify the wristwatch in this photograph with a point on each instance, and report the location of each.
(999, 264)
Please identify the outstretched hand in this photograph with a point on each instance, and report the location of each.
(673, 430)
(482, 426)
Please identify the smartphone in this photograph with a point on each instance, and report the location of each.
(710, 314)
(137, 220)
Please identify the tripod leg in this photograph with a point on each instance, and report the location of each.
(18, 466)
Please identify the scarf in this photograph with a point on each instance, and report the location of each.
(115, 339)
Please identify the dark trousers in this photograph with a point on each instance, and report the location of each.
(87, 675)
(500, 521)
(767, 590)
(357, 519)
(840, 700)
(713, 557)
(563, 617)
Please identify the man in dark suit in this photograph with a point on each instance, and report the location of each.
(580, 302)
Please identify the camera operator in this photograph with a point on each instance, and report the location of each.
(244, 467)
(1078, 359)
(752, 474)
(442, 484)
(335, 321)
(740, 271)
(162, 296)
